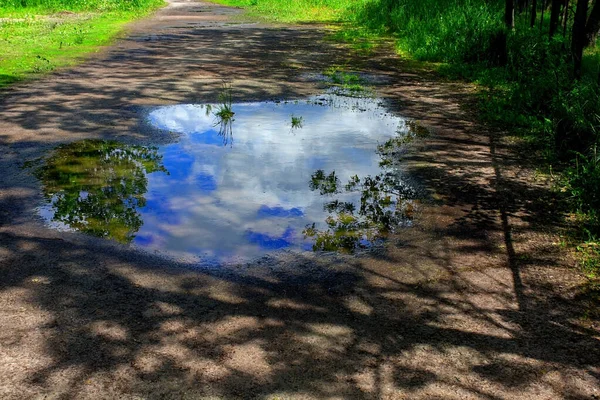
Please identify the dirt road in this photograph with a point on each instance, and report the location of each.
(477, 301)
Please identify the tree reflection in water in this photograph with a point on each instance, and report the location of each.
(386, 200)
(97, 186)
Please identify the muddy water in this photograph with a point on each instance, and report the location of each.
(242, 180)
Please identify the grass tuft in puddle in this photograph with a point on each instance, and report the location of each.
(224, 109)
(297, 122)
(224, 114)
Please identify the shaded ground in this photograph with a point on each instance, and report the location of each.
(477, 301)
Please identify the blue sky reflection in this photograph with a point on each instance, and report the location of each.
(253, 197)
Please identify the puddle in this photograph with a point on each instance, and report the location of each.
(320, 174)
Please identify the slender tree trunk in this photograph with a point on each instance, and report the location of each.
(579, 38)
(566, 18)
(593, 25)
(542, 16)
(533, 12)
(509, 14)
(555, 16)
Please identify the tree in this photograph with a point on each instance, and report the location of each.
(555, 16)
(593, 25)
(566, 18)
(533, 12)
(578, 42)
(509, 14)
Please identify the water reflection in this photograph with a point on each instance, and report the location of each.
(386, 202)
(224, 114)
(97, 187)
(225, 130)
(230, 202)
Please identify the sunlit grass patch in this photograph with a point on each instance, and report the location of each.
(292, 11)
(36, 41)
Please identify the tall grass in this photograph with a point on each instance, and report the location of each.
(430, 30)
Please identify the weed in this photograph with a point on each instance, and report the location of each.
(41, 64)
(79, 35)
(346, 83)
(297, 122)
(224, 109)
(224, 114)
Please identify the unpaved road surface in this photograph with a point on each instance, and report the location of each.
(477, 301)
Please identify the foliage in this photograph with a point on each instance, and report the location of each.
(297, 122)
(295, 11)
(582, 183)
(346, 83)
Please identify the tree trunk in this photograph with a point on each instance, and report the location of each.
(579, 38)
(593, 25)
(533, 12)
(509, 14)
(542, 16)
(566, 18)
(555, 16)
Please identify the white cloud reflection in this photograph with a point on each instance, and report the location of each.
(253, 197)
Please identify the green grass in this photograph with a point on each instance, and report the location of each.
(294, 11)
(297, 122)
(46, 6)
(346, 83)
(39, 39)
(436, 30)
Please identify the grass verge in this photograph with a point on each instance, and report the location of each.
(35, 41)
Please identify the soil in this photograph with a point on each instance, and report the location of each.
(478, 300)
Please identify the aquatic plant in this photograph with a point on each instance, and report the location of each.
(297, 122)
(224, 114)
(224, 109)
